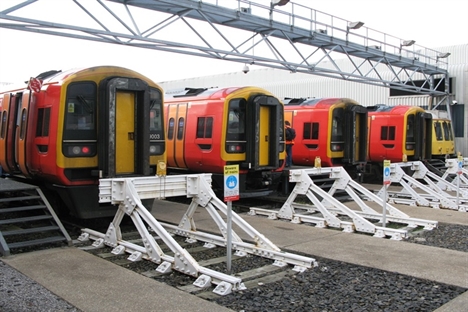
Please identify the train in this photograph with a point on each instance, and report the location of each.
(65, 130)
(330, 132)
(341, 132)
(399, 133)
(443, 144)
(210, 128)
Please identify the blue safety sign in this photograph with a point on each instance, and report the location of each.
(231, 183)
(386, 172)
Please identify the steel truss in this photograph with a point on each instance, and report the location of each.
(294, 38)
(423, 188)
(327, 211)
(128, 193)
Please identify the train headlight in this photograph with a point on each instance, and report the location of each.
(409, 147)
(156, 149)
(235, 148)
(77, 150)
(336, 147)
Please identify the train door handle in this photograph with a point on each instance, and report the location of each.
(266, 138)
(131, 136)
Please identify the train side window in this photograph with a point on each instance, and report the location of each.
(209, 127)
(204, 127)
(438, 131)
(24, 114)
(170, 130)
(201, 127)
(43, 120)
(311, 130)
(387, 133)
(4, 123)
(180, 128)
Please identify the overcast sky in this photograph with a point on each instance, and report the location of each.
(431, 23)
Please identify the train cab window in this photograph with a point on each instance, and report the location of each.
(235, 132)
(450, 132)
(180, 128)
(337, 138)
(410, 135)
(311, 130)
(81, 109)
(438, 131)
(236, 120)
(204, 127)
(80, 131)
(446, 131)
(387, 133)
(43, 120)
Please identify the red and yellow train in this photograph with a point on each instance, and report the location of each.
(65, 130)
(399, 133)
(331, 131)
(208, 129)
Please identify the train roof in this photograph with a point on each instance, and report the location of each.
(204, 93)
(316, 101)
(398, 109)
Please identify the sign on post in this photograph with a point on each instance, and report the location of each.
(231, 183)
(460, 165)
(386, 172)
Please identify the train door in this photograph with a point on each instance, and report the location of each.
(125, 133)
(176, 122)
(422, 136)
(355, 134)
(265, 127)
(126, 136)
(10, 118)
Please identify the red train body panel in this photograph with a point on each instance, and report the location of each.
(208, 129)
(399, 133)
(76, 126)
(333, 130)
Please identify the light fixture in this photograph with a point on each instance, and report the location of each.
(279, 2)
(355, 25)
(406, 43)
(442, 55)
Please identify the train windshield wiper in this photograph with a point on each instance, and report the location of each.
(88, 107)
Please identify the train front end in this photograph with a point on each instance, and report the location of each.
(82, 125)
(212, 128)
(330, 131)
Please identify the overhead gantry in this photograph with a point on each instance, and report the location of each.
(289, 37)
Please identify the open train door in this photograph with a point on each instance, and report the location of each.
(355, 149)
(265, 127)
(423, 136)
(124, 105)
